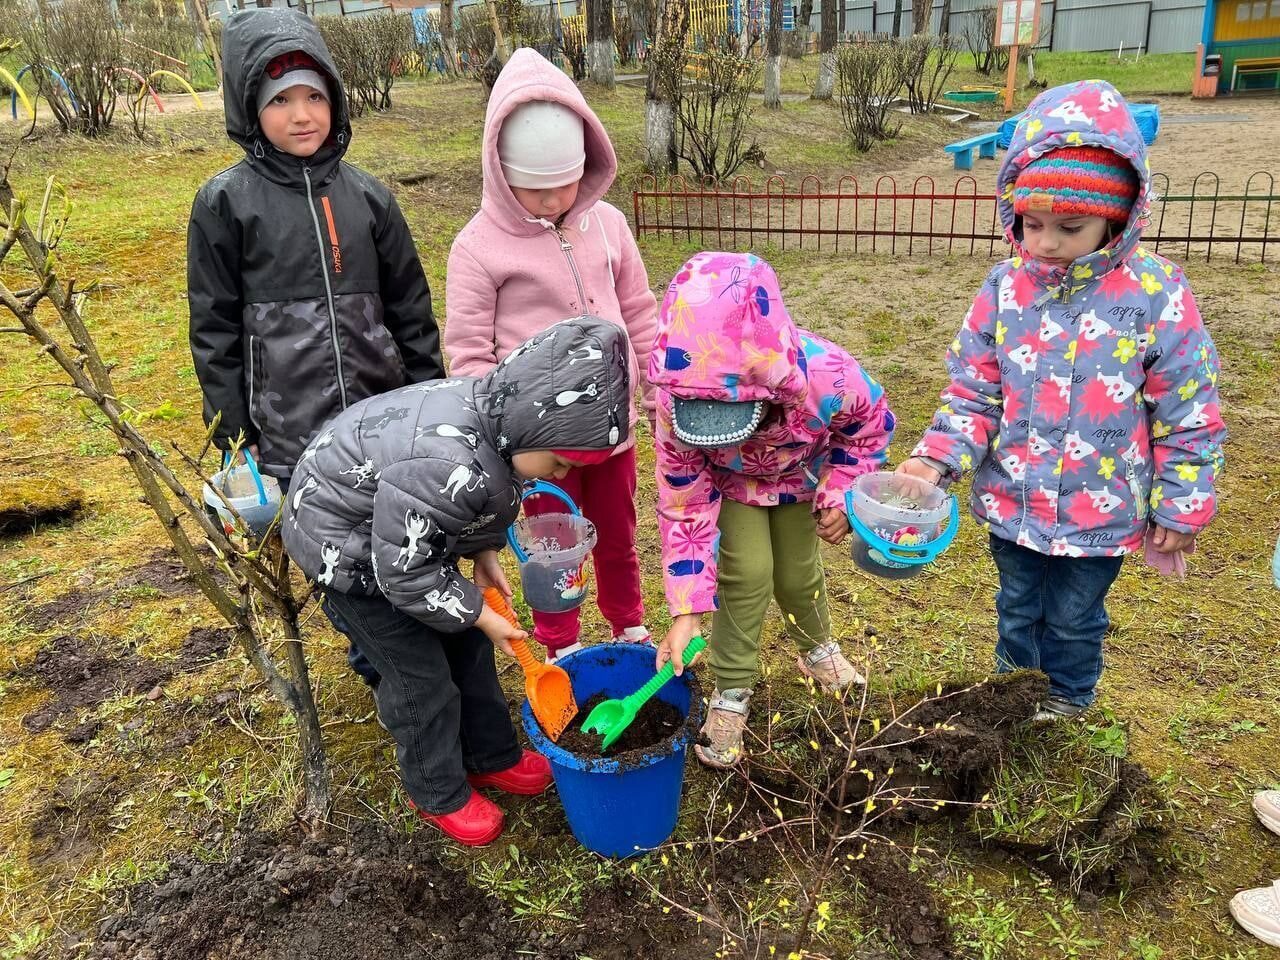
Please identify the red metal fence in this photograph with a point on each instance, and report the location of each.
(927, 221)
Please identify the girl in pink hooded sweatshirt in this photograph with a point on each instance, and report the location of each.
(543, 247)
(761, 429)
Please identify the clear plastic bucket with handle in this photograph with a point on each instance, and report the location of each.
(900, 524)
(552, 549)
(255, 499)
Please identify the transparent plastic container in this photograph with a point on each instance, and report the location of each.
(552, 549)
(900, 524)
(255, 499)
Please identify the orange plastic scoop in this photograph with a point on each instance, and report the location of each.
(546, 685)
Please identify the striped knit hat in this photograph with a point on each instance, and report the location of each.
(1079, 181)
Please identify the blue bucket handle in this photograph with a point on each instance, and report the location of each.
(253, 472)
(531, 490)
(912, 556)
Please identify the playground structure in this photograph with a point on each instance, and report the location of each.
(1239, 48)
(145, 84)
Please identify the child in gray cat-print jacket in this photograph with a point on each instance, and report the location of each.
(394, 493)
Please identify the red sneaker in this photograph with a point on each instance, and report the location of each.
(530, 776)
(476, 824)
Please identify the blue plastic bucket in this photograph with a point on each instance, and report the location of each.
(620, 806)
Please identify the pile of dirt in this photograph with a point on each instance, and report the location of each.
(654, 722)
(28, 502)
(366, 895)
(1088, 817)
(943, 743)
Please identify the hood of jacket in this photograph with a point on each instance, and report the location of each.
(568, 387)
(724, 334)
(251, 40)
(1086, 113)
(529, 76)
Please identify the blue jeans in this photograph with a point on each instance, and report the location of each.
(439, 698)
(1052, 616)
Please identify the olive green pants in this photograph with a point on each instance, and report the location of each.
(765, 552)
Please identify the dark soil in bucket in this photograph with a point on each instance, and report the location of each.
(655, 722)
(365, 895)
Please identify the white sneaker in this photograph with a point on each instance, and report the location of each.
(564, 652)
(1266, 804)
(638, 634)
(1258, 911)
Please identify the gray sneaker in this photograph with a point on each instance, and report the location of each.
(719, 743)
(1055, 708)
(829, 668)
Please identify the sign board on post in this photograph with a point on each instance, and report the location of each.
(1016, 25)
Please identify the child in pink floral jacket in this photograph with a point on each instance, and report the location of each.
(1083, 391)
(762, 427)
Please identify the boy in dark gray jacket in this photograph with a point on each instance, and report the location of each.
(398, 489)
(305, 289)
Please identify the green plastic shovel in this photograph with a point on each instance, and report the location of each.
(612, 717)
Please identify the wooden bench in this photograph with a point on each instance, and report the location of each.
(1255, 65)
(985, 143)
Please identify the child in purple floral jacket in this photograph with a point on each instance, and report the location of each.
(1083, 391)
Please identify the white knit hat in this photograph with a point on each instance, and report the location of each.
(541, 146)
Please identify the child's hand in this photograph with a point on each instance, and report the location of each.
(498, 630)
(488, 573)
(833, 525)
(1171, 541)
(683, 629)
(918, 468)
(253, 451)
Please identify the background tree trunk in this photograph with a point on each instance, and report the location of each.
(201, 9)
(897, 18)
(827, 48)
(804, 16)
(662, 88)
(944, 23)
(600, 42)
(448, 45)
(920, 10)
(773, 58)
(500, 48)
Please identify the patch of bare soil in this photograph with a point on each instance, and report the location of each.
(82, 673)
(164, 573)
(76, 815)
(367, 895)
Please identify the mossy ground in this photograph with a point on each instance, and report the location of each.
(1192, 666)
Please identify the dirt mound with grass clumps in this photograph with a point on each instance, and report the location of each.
(1069, 801)
(366, 895)
(29, 502)
(944, 743)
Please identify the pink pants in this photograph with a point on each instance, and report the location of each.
(606, 494)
